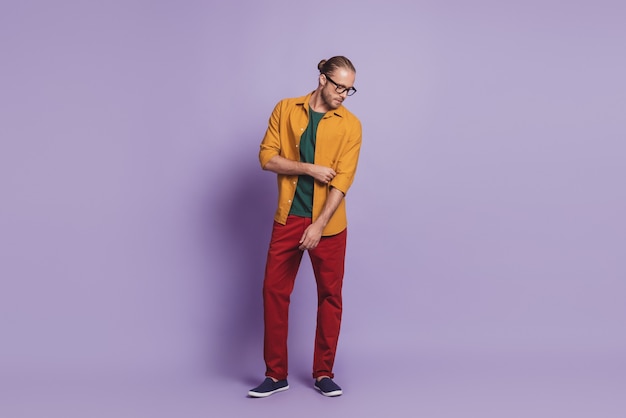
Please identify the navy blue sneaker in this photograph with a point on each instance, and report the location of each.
(268, 387)
(327, 387)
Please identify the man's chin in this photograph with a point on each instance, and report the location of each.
(336, 104)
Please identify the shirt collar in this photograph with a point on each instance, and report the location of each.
(304, 101)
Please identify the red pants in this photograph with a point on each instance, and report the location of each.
(283, 261)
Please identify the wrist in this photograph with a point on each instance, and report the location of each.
(321, 222)
(307, 169)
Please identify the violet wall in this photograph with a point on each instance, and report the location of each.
(486, 220)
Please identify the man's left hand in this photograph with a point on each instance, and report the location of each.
(311, 237)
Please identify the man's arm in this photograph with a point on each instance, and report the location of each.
(313, 234)
(282, 165)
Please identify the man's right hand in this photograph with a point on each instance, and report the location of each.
(321, 173)
(281, 165)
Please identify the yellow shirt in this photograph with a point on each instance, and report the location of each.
(338, 143)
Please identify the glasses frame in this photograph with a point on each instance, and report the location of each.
(341, 89)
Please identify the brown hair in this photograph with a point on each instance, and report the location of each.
(330, 65)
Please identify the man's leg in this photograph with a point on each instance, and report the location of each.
(328, 265)
(283, 260)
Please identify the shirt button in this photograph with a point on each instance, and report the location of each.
(294, 182)
(289, 201)
(296, 146)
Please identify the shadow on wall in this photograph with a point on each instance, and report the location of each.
(240, 233)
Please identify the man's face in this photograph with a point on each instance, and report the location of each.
(344, 79)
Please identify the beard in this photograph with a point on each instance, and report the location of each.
(329, 100)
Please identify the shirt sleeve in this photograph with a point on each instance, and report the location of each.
(270, 146)
(347, 163)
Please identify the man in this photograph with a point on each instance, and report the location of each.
(313, 144)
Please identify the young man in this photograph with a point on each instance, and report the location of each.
(312, 143)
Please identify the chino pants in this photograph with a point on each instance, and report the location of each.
(283, 261)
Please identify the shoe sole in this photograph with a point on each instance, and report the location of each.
(329, 394)
(266, 394)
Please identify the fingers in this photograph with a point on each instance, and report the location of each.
(304, 243)
(324, 174)
(329, 176)
(307, 243)
(305, 246)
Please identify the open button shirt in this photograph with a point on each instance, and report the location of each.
(338, 143)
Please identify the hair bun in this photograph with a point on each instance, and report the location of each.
(320, 66)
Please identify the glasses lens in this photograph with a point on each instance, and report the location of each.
(350, 91)
(341, 90)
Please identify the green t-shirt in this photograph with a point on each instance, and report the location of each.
(303, 200)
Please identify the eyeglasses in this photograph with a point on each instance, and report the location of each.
(341, 89)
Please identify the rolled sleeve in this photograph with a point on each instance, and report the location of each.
(348, 161)
(270, 146)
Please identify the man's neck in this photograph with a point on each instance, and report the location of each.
(317, 104)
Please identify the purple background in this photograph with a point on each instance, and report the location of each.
(487, 243)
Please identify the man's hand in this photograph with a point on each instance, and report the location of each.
(313, 233)
(281, 165)
(321, 173)
(311, 237)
